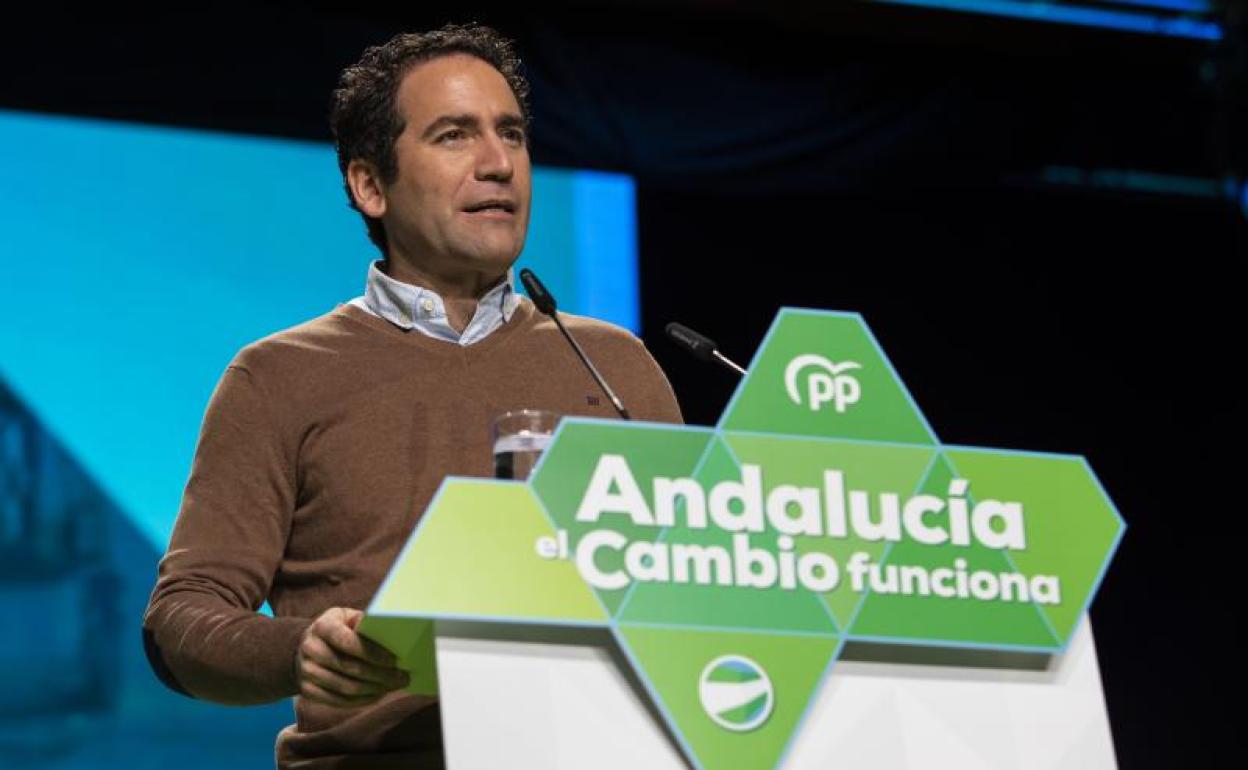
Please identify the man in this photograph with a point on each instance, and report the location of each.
(322, 444)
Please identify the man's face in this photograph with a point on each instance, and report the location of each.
(460, 202)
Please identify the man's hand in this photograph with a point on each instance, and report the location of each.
(336, 666)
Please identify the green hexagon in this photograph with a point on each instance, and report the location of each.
(710, 604)
(672, 661)
(568, 464)
(473, 556)
(873, 467)
(822, 374)
(1072, 527)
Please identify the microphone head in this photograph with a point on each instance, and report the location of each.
(700, 346)
(537, 292)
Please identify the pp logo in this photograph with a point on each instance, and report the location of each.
(736, 693)
(826, 382)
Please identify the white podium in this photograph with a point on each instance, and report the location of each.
(555, 704)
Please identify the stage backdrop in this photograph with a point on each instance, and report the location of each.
(134, 262)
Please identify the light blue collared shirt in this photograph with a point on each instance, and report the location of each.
(414, 307)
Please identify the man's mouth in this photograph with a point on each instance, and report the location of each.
(496, 205)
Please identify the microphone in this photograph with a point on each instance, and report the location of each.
(545, 302)
(701, 346)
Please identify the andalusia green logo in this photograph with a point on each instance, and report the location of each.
(733, 564)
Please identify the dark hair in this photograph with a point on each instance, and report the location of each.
(364, 112)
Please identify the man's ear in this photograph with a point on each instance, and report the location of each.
(367, 189)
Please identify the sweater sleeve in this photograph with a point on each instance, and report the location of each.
(202, 632)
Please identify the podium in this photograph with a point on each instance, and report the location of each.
(554, 705)
(815, 582)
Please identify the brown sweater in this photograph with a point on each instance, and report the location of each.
(319, 451)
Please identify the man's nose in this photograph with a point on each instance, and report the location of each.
(494, 163)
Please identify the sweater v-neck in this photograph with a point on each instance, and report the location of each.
(522, 318)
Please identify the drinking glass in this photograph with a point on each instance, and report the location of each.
(519, 438)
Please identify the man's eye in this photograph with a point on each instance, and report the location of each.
(514, 135)
(450, 136)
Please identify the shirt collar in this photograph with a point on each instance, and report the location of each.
(407, 306)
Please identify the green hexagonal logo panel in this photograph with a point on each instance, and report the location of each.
(733, 699)
(1071, 524)
(567, 470)
(733, 564)
(697, 586)
(473, 556)
(902, 604)
(822, 374)
(833, 468)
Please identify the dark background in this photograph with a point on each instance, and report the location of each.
(956, 179)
